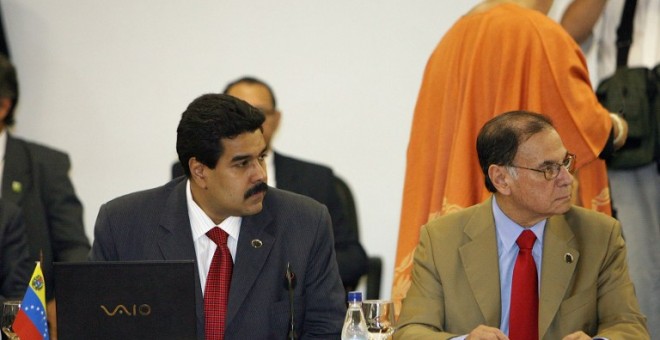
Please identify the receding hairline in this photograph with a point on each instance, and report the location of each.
(252, 81)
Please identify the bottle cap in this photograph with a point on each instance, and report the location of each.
(355, 296)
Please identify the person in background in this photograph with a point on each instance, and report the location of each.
(503, 55)
(636, 191)
(14, 254)
(525, 263)
(305, 178)
(222, 150)
(36, 178)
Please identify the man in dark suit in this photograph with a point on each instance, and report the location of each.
(14, 255)
(305, 178)
(469, 267)
(36, 178)
(220, 143)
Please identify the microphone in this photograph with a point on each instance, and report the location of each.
(291, 283)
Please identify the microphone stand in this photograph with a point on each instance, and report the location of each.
(290, 277)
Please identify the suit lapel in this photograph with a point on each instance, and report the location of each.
(480, 262)
(250, 259)
(175, 227)
(556, 272)
(17, 171)
(176, 243)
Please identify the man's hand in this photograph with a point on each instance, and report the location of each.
(51, 313)
(620, 129)
(486, 333)
(577, 336)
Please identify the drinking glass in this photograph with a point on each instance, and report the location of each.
(379, 315)
(9, 311)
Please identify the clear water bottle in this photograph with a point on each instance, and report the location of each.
(355, 326)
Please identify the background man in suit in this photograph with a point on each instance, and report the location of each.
(305, 178)
(221, 147)
(36, 178)
(14, 256)
(463, 270)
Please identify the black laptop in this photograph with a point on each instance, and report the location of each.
(125, 300)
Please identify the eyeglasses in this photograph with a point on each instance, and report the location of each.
(551, 171)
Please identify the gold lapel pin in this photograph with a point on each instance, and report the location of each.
(568, 257)
(256, 243)
(16, 186)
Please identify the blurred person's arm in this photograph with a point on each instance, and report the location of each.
(65, 211)
(580, 17)
(15, 264)
(579, 20)
(65, 223)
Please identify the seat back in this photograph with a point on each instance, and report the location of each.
(375, 264)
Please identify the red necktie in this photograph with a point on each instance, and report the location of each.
(524, 313)
(216, 294)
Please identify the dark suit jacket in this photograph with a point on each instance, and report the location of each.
(456, 286)
(317, 181)
(36, 179)
(154, 225)
(14, 256)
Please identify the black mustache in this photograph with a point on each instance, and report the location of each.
(261, 187)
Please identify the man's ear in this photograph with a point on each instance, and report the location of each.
(197, 172)
(5, 106)
(277, 116)
(500, 177)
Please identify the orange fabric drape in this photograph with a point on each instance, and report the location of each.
(506, 58)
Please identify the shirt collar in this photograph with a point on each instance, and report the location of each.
(3, 143)
(200, 223)
(508, 230)
(270, 168)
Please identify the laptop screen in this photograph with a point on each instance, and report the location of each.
(125, 300)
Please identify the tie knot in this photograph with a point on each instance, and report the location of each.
(218, 236)
(526, 239)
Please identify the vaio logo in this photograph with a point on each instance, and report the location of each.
(131, 310)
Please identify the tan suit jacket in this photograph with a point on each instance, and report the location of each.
(456, 286)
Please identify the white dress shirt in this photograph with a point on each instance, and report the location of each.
(200, 224)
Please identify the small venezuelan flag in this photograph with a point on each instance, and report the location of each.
(31, 322)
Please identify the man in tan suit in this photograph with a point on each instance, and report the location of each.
(463, 270)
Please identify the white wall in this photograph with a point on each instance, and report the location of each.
(106, 81)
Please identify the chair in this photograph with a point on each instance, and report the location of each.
(374, 264)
